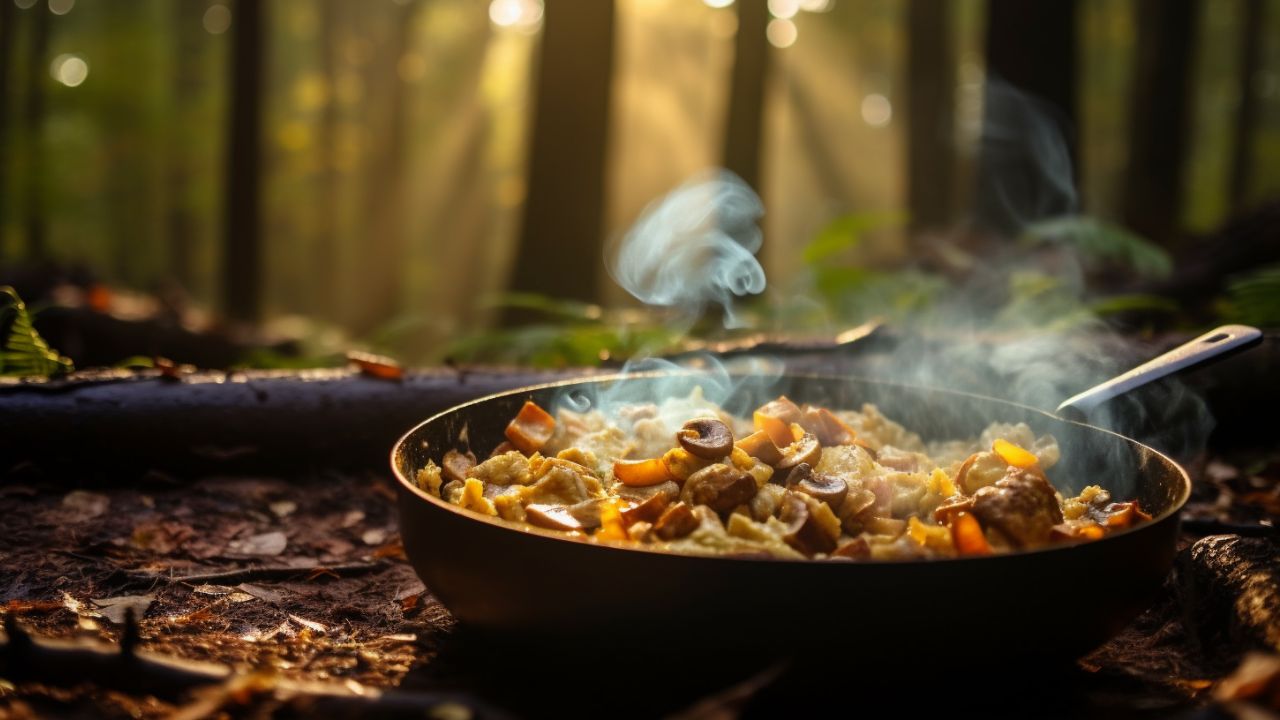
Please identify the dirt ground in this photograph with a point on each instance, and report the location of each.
(306, 578)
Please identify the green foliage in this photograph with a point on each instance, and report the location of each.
(1254, 299)
(551, 345)
(23, 353)
(847, 232)
(1101, 242)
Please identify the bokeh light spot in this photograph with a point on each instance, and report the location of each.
(781, 33)
(61, 7)
(877, 111)
(217, 19)
(68, 69)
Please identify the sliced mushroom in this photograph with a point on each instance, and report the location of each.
(946, 512)
(587, 512)
(639, 494)
(648, 511)
(830, 489)
(805, 450)
(720, 487)
(455, 464)
(804, 533)
(552, 517)
(676, 522)
(706, 438)
(853, 549)
(799, 473)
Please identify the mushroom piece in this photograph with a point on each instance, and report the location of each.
(455, 464)
(853, 549)
(551, 517)
(720, 487)
(648, 511)
(799, 473)
(1021, 505)
(830, 489)
(805, 450)
(676, 522)
(760, 446)
(804, 533)
(706, 438)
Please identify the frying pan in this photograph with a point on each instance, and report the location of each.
(542, 591)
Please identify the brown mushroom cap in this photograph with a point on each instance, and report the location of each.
(455, 464)
(720, 487)
(648, 511)
(706, 438)
(830, 489)
(676, 522)
(800, 472)
(805, 450)
(803, 531)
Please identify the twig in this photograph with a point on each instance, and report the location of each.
(252, 574)
(60, 662)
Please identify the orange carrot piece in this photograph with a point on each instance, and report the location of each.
(1014, 455)
(778, 430)
(531, 428)
(641, 473)
(967, 535)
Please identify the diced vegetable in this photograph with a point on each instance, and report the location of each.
(676, 522)
(1014, 455)
(641, 473)
(778, 430)
(611, 526)
(829, 429)
(967, 536)
(552, 517)
(531, 428)
(760, 445)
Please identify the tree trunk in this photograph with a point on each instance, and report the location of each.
(560, 248)
(242, 242)
(385, 251)
(188, 83)
(1247, 112)
(33, 135)
(1026, 170)
(745, 122)
(1161, 117)
(8, 17)
(325, 281)
(930, 114)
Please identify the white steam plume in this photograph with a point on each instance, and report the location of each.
(695, 247)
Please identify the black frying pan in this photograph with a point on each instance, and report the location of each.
(556, 594)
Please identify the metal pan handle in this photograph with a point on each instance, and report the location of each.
(1210, 347)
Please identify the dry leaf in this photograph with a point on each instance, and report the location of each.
(352, 518)
(272, 543)
(239, 597)
(85, 505)
(283, 508)
(213, 589)
(114, 609)
(375, 536)
(260, 592)
(311, 625)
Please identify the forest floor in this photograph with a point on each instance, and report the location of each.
(307, 578)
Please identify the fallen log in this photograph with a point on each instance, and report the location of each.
(1229, 587)
(254, 421)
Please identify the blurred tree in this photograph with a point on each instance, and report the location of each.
(1246, 124)
(930, 114)
(325, 282)
(1032, 47)
(742, 135)
(384, 201)
(187, 85)
(559, 253)
(8, 18)
(242, 240)
(1160, 117)
(33, 117)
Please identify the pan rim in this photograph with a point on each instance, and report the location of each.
(1172, 512)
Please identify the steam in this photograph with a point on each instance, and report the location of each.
(695, 247)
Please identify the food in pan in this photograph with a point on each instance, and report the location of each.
(793, 481)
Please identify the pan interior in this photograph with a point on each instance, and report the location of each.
(1090, 456)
